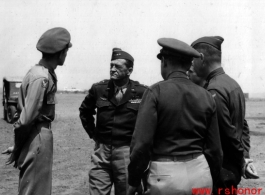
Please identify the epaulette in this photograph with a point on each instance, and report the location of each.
(103, 82)
(139, 84)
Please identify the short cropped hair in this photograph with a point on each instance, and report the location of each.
(128, 63)
(183, 63)
(212, 55)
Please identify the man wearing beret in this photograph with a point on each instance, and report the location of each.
(230, 101)
(116, 101)
(32, 152)
(176, 129)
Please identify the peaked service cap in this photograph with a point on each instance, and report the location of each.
(177, 48)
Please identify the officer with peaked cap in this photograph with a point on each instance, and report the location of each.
(176, 129)
(32, 152)
(116, 101)
(230, 101)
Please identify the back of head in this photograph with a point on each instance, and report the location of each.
(210, 47)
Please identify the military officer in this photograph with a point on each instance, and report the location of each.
(230, 101)
(33, 149)
(176, 129)
(116, 101)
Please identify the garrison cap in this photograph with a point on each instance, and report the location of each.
(176, 48)
(117, 53)
(214, 41)
(54, 40)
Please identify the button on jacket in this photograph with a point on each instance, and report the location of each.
(176, 117)
(115, 121)
(231, 110)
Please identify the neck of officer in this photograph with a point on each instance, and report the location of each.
(50, 64)
(175, 68)
(121, 82)
(213, 67)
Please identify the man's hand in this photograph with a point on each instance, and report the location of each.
(135, 190)
(8, 150)
(250, 171)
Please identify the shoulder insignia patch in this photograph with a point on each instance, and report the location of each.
(44, 83)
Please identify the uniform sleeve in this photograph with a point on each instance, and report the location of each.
(87, 110)
(213, 149)
(142, 139)
(246, 139)
(227, 130)
(33, 102)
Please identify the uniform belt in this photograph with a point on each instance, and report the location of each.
(165, 158)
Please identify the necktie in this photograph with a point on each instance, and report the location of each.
(119, 95)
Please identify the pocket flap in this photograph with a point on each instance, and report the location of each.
(134, 106)
(101, 104)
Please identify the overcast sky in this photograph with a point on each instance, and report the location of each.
(134, 26)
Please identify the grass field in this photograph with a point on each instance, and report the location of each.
(73, 148)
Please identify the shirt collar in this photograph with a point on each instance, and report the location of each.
(123, 88)
(177, 74)
(215, 73)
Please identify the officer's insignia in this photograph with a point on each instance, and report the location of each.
(103, 98)
(213, 95)
(118, 54)
(135, 101)
(44, 83)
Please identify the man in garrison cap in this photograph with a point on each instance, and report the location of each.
(116, 101)
(176, 131)
(230, 101)
(32, 152)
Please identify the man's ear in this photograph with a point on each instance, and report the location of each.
(130, 70)
(202, 56)
(164, 62)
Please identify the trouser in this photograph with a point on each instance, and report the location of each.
(230, 177)
(109, 166)
(180, 177)
(35, 162)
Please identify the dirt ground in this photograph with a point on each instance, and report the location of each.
(73, 148)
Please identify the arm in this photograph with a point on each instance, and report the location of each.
(87, 110)
(212, 148)
(227, 131)
(246, 139)
(31, 110)
(142, 139)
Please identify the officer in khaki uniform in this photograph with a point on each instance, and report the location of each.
(116, 102)
(33, 149)
(176, 131)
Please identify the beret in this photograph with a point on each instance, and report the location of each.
(177, 48)
(54, 40)
(117, 53)
(215, 41)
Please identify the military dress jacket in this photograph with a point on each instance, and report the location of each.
(114, 121)
(36, 103)
(233, 127)
(176, 117)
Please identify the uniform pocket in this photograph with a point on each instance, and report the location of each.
(102, 104)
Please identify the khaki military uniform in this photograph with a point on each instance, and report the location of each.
(33, 136)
